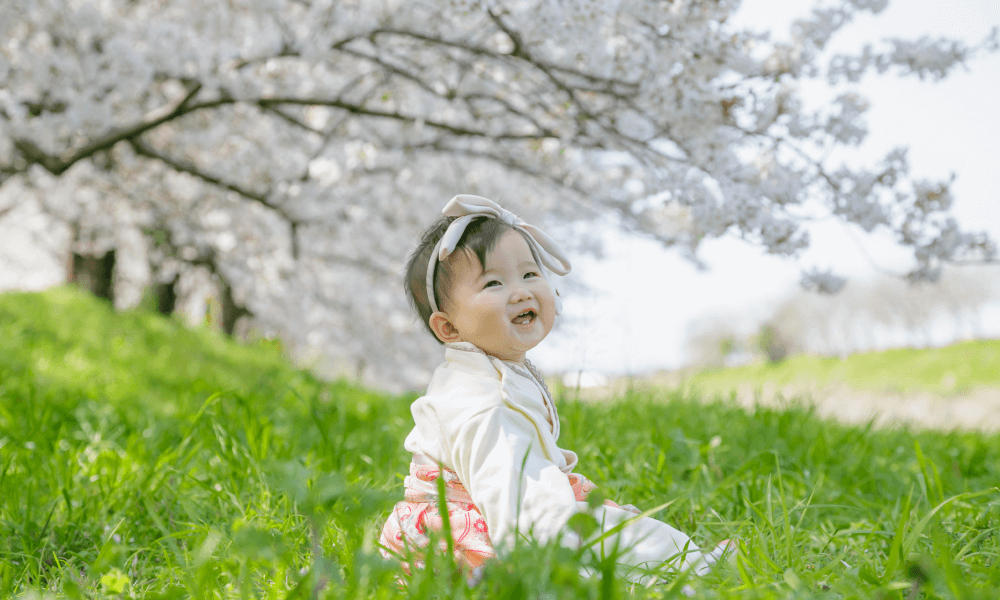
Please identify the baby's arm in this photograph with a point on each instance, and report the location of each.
(499, 456)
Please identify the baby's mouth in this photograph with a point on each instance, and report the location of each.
(524, 318)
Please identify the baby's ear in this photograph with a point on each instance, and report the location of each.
(443, 328)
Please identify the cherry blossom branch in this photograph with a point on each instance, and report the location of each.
(515, 166)
(59, 164)
(193, 170)
(520, 50)
(144, 149)
(288, 118)
(395, 70)
(7, 171)
(608, 82)
(360, 109)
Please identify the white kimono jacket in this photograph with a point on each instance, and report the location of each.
(494, 424)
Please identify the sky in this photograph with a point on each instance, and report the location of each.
(643, 298)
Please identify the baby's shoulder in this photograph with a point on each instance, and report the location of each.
(455, 389)
(458, 391)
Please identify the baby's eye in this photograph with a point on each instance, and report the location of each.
(492, 283)
(530, 274)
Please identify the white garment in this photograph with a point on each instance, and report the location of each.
(493, 423)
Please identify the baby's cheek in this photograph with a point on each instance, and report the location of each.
(548, 320)
(547, 305)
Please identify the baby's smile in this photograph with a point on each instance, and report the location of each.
(525, 318)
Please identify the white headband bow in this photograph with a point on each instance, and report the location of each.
(467, 207)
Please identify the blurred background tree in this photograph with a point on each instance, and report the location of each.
(870, 314)
(282, 156)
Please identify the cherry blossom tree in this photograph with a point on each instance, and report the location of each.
(292, 150)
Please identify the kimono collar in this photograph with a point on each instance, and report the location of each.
(524, 369)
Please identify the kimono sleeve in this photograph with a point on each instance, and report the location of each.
(499, 455)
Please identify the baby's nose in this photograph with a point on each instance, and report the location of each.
(519, 293)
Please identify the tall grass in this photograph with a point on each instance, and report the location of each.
(139, 458)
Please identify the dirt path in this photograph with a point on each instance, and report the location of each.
(977, 410)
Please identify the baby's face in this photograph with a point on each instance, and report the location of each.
(504, 307)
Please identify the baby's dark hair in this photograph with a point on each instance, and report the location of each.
(479, 238)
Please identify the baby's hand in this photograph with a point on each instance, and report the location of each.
(628, 507)
(631, 508)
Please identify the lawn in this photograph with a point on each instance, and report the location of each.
(139, 458)
(947, 371)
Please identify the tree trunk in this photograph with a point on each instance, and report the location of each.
(95, 274)
(231, 311)
(166, 296)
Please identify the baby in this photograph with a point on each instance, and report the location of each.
(488, 425)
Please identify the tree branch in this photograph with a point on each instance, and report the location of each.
(182, 166)
(57, 165)
(608, 82)
(284, 116)
(394, 70)
(398, 116)
(191, 169)
(513, 165)
(450, 95)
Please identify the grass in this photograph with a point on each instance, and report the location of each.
(142, 459)
(949, 370)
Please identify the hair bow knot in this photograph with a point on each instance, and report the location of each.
(467, 207)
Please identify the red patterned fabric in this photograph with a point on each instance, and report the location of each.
(407, 531)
